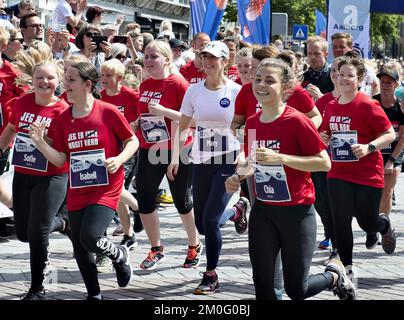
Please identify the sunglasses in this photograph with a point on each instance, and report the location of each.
(121, 57)
(36, 25)
(20, 40)
(91, 34)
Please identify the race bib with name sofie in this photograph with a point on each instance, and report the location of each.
(213, 137)
(154, 128)
(26, 155)
(87, 169)
(271, 183)
(341, 142)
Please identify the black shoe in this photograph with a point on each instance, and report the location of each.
(129, 242)
(91, 298)
(137, 222)
(35, 295)
(4, 232)
(123, 269)
(208, 285)
(389, 238)
(372, 240)
(65, 216)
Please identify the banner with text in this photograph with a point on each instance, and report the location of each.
(353, 17)
(255, 20)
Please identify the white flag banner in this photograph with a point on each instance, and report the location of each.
(353, 17)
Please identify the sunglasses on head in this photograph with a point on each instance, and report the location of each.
(91, 34)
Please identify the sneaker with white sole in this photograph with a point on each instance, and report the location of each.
(154, 258)
(343, 288)
(389, 238)
(193, 256)
(208, 285)
(129, 242)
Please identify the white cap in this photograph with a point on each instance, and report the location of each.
(217, 49)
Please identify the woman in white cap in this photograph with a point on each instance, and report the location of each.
(211, 103)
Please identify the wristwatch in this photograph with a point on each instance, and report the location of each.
(392, 159)
(371, 147)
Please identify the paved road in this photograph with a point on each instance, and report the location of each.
(381, 277)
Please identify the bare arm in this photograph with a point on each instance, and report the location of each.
(7, 136)
(315, 116)
(383, 140)
(130, 146)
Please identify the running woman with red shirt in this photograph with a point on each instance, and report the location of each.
(285, 147)
(95, 139)
(166, 91)
(39, 187)
(356, 127)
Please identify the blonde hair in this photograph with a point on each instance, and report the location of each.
(76, 58)
(130, 80)
(27, 60)
(321, 40)
(4, 36)
(115, 66)
(164, 49)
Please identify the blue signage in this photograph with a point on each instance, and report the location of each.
(300, 32)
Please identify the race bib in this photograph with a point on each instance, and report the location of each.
(390, 147)
(154, 128)
(271, 183)
(213, 138)
(26, 155)
(341, 142)
(87, 169)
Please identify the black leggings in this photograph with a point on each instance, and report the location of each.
(322, 204)
(291, 229)
(88, 227)
(149, 177)
(36, 200)
(350, 200)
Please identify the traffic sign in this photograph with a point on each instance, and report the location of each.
(300, 32)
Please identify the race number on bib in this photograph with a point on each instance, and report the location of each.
(341, 142)
(87, 169)
(213, 138)
(271, 183)
(26, 155)
(154, 128)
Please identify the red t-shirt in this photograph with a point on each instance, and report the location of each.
(169, 93)
(292, 133)
(63, 96)
(322, 102)
(367, 117)
(126, 101)
(232, 73)
(238, 80)
(191, 73)
(246, 104)
(104, 128)
(8, 90)
(25, 112)
(301, 100)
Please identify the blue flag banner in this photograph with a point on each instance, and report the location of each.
(198, 9)
(353, 17)
(321, 24)
(213, 16)
(255, 20)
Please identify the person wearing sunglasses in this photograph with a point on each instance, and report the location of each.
(87, 47)
(119, 52)
(15, 44)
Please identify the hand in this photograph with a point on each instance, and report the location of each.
(65, 37)
(156, 109)
(50, 37)
(267, 156)
(314, 91)
(37, 132)
(112, 164)
(82, 5)
(106, 47)
(360, 150)
(172, 171)
(120, 19)
(232, 184)
(388, 168)
(325, 137)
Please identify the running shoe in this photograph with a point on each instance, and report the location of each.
(389, 238)
(103, 263)
(343, 288)
(122, 267)
(91, 298)
(372, 240)
(154, 258)
(164, 198)
(35, 295)
(129, 242)
(193, 256)
(326, 244)
(208, 285)
(243, 207)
